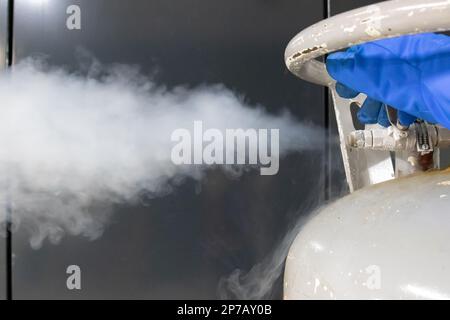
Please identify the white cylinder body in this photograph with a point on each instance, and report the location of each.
(387, 241)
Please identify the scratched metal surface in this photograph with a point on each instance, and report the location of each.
(381, 20)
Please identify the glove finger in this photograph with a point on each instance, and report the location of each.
(340, 65)
(405, 118)
(369, 111)
(345, 92)
(383, 118)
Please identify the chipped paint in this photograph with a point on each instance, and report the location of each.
(382, 20)
(308, 51)
(372, 31)
(350, 29)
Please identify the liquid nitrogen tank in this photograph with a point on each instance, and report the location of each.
(390, 237)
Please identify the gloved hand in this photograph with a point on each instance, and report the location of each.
(409, 73)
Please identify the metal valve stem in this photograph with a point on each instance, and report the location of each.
(420, 137)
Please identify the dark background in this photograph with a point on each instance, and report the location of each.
(181, 245)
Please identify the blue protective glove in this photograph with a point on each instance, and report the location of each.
(409, 73)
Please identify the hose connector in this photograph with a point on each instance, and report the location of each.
(420, 137)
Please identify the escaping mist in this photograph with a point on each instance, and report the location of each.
(259, 282)
(72, 142)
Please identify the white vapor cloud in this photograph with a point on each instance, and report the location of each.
(71, 142)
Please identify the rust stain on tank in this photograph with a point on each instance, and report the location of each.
(306, 51)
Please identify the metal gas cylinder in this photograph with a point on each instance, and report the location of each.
(389, 238)
(387, 241)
